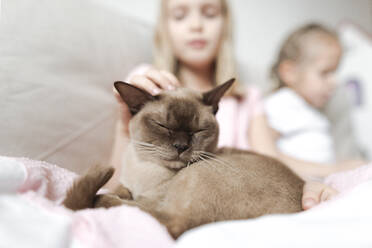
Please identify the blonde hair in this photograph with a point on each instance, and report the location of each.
(224, 64)
(293, 46)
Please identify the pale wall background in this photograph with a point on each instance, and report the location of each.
(260, 25)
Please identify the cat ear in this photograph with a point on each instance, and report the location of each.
(213, 97)
(134, 97)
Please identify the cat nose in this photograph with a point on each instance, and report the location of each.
(181, 148)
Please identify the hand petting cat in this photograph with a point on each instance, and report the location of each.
(153, 81)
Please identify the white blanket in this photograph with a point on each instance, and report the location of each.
(343, 222)
(31, 216)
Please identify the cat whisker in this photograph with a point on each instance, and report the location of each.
(148, 147)
(215, 158)
(200, 156)
(141, 143)
(209, 153)
(210, 164)
(162, 153)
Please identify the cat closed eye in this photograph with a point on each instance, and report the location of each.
(161, 125)
(165, 128)
(191, 133)
(197, 132)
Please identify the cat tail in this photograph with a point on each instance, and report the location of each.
(83, 192)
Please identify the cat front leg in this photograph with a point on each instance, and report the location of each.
(107, 201)
(110, 200)
(113, 199)
(123, 192)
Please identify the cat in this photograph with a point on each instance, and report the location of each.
(173, 170)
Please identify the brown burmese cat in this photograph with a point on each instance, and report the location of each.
(174, 171)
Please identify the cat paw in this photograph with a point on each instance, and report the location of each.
(107, 201)
(123, 192)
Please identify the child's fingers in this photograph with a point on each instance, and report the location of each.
(327, 194)
(315, 193)
(160, 79)
(144, 83)
(311, 194)
(171, 78)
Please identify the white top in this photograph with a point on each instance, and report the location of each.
(304, 131)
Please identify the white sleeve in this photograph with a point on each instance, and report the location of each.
(287, 112)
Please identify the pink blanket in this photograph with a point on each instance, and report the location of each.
(45, 186)
(123, 226)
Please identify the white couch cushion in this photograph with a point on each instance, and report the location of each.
(58, 61)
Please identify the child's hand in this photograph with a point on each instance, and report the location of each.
(315, 192)
(153, 81)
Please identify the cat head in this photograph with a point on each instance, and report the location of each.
(175, 128)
